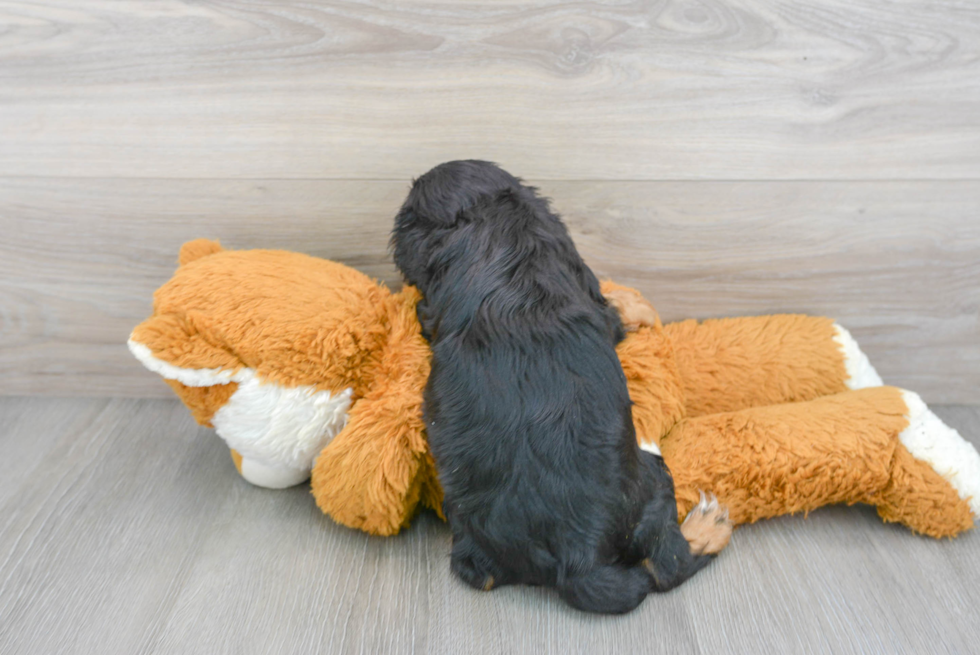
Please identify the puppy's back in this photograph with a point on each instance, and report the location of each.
(527, 396)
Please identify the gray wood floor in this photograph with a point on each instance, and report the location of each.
(125, 529)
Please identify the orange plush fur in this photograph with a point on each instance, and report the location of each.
(755, 410)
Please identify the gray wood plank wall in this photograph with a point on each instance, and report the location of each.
(724, 157)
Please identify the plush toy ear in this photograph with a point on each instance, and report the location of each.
(169, 345)
(198, 372)
(196, 249)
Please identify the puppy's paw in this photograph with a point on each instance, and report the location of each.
(472, 574)
(707, 528)
(634, 310)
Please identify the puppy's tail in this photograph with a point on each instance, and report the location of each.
(610, 589)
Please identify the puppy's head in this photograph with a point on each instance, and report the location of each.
(435, 205)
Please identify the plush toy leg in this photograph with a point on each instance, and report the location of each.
(867, 446)
(730, 364)
(928, 447)
(374, 474)
(634, 310)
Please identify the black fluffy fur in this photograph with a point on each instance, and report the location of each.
(527, 410)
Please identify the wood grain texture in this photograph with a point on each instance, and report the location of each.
(30, 430)
(133, 533)
(670, 89)
(898, 263)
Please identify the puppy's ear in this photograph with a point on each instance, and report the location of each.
(432, 203)
(409, 247)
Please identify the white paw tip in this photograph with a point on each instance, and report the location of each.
(860, 373)
(928, 439)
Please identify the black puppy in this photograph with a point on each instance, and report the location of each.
(527, 410)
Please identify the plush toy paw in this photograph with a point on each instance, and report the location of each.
(634, 310)
(950, 455)
(707, 528)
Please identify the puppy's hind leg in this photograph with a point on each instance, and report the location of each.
(609, 589)
(669, 557)
(473, 566)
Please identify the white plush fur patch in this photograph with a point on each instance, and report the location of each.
(860, 373)
(271, 426)
(191, 377)
(278, 425)
(942, 447)
(272, 477)
(650, 447)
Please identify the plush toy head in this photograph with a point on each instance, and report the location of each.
(278, 352)
(241, 373)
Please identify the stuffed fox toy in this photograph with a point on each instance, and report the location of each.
(310, 369)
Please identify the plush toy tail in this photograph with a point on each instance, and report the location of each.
(876, 446)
